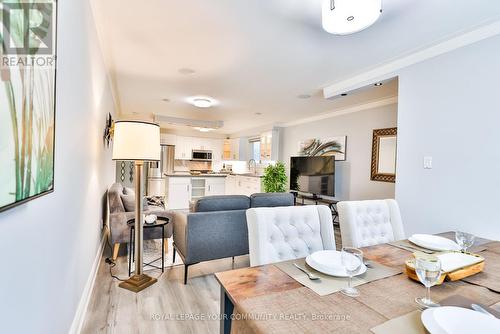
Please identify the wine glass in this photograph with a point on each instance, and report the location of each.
(352, 259)
(464, 240)
(428, 271)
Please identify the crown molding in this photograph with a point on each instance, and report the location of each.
(390, 69)
(334, 113)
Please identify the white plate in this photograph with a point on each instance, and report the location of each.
(430, 322)
(458, 320)
(434, 242)
(330, 262)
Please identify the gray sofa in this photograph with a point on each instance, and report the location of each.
(217, 226)
(118, 218)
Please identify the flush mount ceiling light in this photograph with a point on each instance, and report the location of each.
(202, 101)
(343, 17)
(203, 129)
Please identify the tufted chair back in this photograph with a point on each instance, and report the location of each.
(368, 223)
(285, 233)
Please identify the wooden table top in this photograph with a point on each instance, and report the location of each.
(244, 283)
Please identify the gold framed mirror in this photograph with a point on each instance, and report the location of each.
(384, 144)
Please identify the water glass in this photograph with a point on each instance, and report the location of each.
(352, 259)
(428, 270)
(464, 240)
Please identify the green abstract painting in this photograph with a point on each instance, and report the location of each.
(27, 101)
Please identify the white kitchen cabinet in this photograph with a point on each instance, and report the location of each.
(243, 185)
(235, 148)
(178, 192)
(215, 186)
(266, 140)
(168, 139)
(183, 148)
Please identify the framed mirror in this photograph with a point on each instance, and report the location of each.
(383, 167)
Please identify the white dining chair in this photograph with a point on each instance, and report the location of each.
(285, 233)
(368, 223)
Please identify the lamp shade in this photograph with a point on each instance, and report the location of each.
(136, 140)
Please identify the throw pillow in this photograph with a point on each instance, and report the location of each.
(129, 202)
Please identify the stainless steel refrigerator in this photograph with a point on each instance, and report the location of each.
(158, 170)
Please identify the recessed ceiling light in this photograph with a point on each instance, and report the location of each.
(165, 100)
(343, 94)
(186, 71)
(343, 17)
(304, 96)
(202, 101)
(258, 113)
(377, 84)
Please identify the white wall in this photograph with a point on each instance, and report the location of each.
(49, 244)
(352, 180)
(449, 108)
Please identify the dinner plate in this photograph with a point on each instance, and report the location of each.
(458, 320)
(330, 262)
(434, 242)
(430, 322)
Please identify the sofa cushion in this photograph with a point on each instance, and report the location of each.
(271, 200)
(222, 203)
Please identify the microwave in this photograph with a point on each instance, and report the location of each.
(201, 155)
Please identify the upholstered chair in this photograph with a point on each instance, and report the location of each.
(121, 205)
(368, 223)
(285, 233)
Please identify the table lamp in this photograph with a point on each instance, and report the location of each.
(137, 141)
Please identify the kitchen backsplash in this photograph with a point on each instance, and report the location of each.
(187, 165)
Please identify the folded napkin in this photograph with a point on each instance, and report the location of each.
(454, 260)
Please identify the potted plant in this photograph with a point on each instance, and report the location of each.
(275, 178)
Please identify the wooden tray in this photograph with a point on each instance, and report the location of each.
(455, 275)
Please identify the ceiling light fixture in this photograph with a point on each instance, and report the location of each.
(304, 96)
(202, 101)
(203, 129)
(343, 17)
(377, 84)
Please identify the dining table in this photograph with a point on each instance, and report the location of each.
(264, 299)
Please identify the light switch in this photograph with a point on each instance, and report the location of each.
(427, 162)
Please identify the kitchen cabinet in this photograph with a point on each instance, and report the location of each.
(178, 192)
(266, 140)
(235, 148)
(167, 139)
(243, 185)
(183, 148)
(215, 186)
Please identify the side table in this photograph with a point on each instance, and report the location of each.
(160, 222)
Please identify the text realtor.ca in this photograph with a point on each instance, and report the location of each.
(28, 33)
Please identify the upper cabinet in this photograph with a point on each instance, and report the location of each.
(185, 145)
(269, 145)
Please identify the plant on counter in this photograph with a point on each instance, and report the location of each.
(275, 178)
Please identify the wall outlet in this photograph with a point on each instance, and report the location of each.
(427, 162)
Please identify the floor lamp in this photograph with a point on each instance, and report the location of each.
(137, 141)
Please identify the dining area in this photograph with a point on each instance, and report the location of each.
(378, 281)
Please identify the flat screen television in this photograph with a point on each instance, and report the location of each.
(313, 175)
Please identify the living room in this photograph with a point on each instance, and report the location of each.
(259, 137)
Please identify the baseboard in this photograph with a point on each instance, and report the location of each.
(81, 311)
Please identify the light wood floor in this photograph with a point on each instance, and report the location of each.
(116, 310)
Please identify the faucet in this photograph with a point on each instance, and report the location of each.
(254, 163)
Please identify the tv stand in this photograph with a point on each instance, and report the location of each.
(332, 203)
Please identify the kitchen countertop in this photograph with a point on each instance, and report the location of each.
(210, 175)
